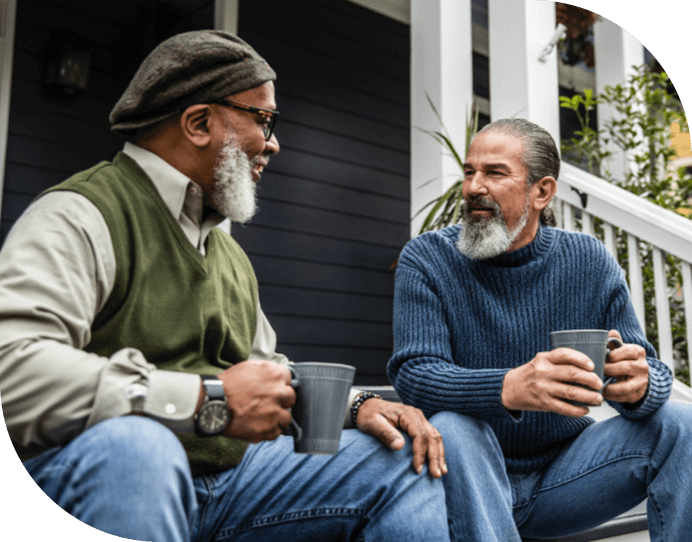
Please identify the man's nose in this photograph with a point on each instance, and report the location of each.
(475, 184)
(272, 146)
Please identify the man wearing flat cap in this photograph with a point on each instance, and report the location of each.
(124, 313)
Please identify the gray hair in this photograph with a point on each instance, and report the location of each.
(540, 154)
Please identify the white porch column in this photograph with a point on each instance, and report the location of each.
(226, 15)
(616, 51)
(226, 18)
(521, 85)
(8, 11)
(442, 67)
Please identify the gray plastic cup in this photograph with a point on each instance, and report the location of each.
(592, 342)
(322, 391)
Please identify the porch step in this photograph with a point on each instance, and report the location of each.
(631, 526)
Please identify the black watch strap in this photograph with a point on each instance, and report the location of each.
(214, 415)
(214, 388)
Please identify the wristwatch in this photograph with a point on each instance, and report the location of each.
(214, 416)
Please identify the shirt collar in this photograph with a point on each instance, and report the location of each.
(172, 185)
(181, 195)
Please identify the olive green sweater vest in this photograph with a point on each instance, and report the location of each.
(183, 311)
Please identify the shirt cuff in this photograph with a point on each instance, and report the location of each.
(172, 399)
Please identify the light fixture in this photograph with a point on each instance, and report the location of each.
(559, 33)
(67, 72)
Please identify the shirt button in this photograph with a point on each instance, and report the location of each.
(192, 191)
(170, 408)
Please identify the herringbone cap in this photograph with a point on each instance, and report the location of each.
(187, 69)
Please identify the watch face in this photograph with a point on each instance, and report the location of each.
(214, 417)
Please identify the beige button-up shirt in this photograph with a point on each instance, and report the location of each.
(57, 269)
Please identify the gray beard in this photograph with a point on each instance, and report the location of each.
(488, 237)
(235, 194)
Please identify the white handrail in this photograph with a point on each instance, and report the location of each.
(641, 220)
(649, 222)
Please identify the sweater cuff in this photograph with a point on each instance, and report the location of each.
(484, 398)
(476, 392)
(657, 392)
(515, 416)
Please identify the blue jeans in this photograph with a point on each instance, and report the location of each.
(608, 469)
(130, 477)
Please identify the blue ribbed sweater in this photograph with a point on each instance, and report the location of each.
(461, 324)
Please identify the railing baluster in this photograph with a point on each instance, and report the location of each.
(636, 220)
(635, 275)
(609, 239)
(587, 223)
(556, 206)
(568, 213)
(665, 334)
(687, 297)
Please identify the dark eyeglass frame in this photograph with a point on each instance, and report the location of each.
(270, 114)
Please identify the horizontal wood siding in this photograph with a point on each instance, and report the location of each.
(334, 203)
(50, 138)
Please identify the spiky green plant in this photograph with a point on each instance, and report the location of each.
(447, 209)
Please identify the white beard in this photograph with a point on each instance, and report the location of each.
(488, 237)
(234, 194)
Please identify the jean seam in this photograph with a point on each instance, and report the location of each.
(659, 515)
(656, 506)
(203, 507)
(594, 469)
(291, 516)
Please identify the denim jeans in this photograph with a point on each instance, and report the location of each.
(130, 477)
(608, 469)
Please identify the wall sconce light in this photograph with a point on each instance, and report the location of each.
(577, 45)
(559, 33)
(67, 72)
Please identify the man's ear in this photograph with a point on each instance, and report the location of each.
(194, 124)
(544, 190)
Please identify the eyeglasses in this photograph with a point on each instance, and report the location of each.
(269, 115)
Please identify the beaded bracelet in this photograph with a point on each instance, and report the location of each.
(358, 401)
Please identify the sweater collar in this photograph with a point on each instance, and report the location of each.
(528, 253)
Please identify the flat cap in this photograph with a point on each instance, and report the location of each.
(187, 69)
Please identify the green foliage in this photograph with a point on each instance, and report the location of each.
(642, 112)
(447, 209)
(583, 148)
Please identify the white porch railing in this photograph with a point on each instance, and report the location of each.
(642, 221)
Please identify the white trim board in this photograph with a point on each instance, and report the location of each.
(8, 10)
(399, 10)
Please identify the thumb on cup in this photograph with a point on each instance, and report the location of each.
(614, 334)
(614, 339)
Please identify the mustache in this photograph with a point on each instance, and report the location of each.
(259, 160)
(481, 202)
